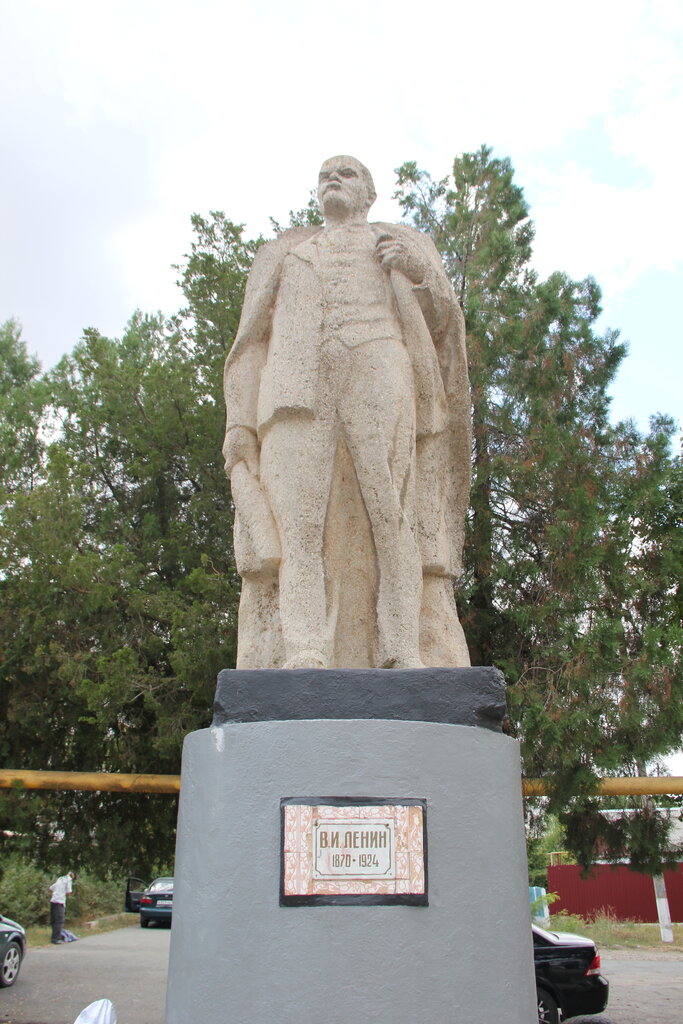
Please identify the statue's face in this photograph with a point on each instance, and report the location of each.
(343, 186)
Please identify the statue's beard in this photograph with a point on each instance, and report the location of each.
(335, 203)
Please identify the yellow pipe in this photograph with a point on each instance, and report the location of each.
(111, 782)
(108, 782)
(624, 786)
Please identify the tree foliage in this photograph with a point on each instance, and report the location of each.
(118, 590)
(573, 558)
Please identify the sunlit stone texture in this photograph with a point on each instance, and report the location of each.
(348, 443)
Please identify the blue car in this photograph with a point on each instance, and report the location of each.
(156, 902)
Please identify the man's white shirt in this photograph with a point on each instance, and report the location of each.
(60, 888)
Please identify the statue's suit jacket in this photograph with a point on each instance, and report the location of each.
(272, 368)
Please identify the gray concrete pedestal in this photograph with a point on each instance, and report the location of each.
(238, 957)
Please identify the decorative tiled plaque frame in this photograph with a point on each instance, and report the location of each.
(351, 851)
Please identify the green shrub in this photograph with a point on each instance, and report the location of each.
(540, 905)
(566, 922)
(93, 897)
(24, 895)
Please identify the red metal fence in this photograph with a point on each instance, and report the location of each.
(626, 894)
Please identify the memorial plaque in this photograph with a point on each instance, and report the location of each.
(348, 851)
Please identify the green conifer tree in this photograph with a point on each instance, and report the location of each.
(570, 565)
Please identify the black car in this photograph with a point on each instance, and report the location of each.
(568, 979)
(155, 901)
(12, 949)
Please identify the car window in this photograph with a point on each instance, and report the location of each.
(161, 883)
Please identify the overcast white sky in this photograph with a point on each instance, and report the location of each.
(120, 119)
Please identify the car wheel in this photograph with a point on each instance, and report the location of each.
(144, 923)
(10, 965)
(548, 1011)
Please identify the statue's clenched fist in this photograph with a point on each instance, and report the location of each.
(394, 254)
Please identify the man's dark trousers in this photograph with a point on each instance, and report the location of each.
(57, 912)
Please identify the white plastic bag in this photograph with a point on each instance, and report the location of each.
(99, 1012)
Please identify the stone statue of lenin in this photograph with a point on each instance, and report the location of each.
(348, 443)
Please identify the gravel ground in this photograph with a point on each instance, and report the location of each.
(129, 967)
(661, 955)
(646, 987)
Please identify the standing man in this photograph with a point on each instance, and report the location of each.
(59, 890)
(348, 443)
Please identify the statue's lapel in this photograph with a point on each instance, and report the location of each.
(308, 250)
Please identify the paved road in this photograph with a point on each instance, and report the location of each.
(129, 967)
(645, 988)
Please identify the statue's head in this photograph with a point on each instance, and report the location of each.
(345, 187)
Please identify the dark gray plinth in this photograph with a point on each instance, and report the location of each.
(238, 957)
(456, 696)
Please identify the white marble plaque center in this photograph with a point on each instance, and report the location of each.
(354, 849)
(342, 850)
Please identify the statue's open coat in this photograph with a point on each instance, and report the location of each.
(270, 373)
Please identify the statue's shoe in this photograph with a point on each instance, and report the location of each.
(403, 663)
